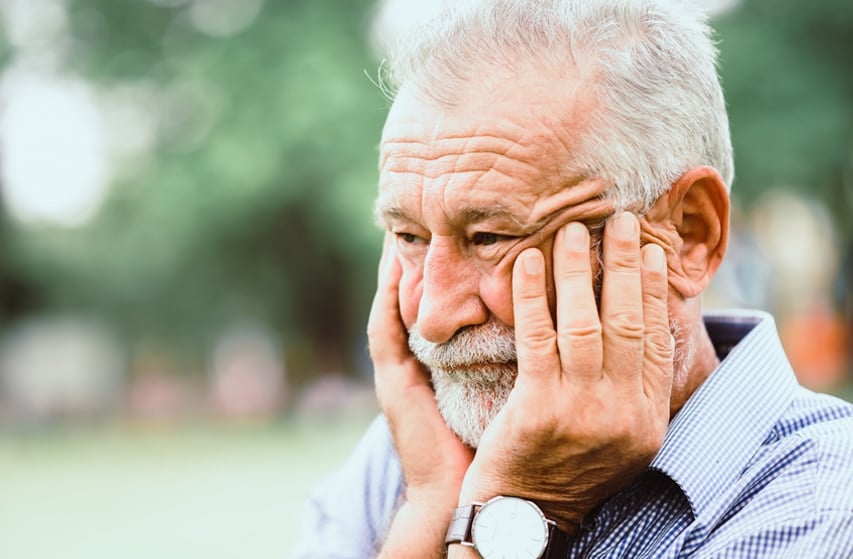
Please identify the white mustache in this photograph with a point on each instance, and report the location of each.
(492, 342)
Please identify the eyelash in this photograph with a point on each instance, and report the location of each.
(479, 238)
(486, 239)
(408, 238)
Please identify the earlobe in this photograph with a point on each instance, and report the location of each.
(698, 211)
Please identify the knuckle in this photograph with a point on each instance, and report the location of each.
(654, 277)
(624, 252)
(537, 338)
(580, 331)
(571, 272)
(655, 291)
(528, 296)
(626, 324)
(658, 345)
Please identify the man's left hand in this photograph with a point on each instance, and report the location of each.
(590, 406)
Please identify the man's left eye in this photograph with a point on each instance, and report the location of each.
(486, 238)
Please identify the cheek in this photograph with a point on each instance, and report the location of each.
(496, 286)
(496, 294)
(411, 289)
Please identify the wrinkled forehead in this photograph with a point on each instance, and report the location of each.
(530, 120)
(525, 91)
(513, 149)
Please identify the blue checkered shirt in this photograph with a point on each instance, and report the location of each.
(753, 466)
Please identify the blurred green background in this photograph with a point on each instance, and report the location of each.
(187, 252)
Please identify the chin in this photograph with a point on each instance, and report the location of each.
(470, 399)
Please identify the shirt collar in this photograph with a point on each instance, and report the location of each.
(710, 441)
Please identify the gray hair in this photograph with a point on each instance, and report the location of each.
(648, 66)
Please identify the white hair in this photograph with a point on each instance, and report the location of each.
(648, 67)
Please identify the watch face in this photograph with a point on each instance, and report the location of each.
(510, 528)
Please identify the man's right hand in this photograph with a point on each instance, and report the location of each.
(434, 460)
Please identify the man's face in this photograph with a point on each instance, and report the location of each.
(464, 191)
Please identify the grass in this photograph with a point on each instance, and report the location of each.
(208, 492)
(197, 492)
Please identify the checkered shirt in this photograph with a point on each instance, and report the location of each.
(753, 466)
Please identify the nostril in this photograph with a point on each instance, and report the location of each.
(439, 318)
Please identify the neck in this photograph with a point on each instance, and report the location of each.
(695, 360)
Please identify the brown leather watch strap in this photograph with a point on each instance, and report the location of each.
(459, 530)
(558, 544)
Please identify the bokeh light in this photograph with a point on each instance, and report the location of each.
(53, 150)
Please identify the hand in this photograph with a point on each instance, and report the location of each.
(434, 460)
(590, 406)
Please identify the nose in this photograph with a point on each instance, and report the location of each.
(450, 298)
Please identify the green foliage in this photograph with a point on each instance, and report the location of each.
(785, 66)
(256, 199)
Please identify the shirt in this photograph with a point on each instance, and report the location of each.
(752, 466)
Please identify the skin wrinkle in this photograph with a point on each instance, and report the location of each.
(474, 372)
(540, 146)
(581, 201)
(446, 194)
(460, 160)
(462, 157)
(542, 208)
(656, 235)
(533, 230)
(447, 283)
(590, 210)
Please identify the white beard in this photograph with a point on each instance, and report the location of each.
(472, 375)
(474, 372)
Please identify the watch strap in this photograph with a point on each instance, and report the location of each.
(558, 543)
(459, 530)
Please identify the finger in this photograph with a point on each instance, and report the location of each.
(387, 252)
(385, 330)
(657, 369)
(396, 371)
(622, 301)
(578, 325)
(535, 338)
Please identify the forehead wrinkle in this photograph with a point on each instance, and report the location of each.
(479, 214)
(502, 138)
(459, 143)
(436, 162)
(580, 199)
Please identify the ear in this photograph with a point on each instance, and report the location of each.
(695, 217)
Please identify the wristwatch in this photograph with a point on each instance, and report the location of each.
(507, 528)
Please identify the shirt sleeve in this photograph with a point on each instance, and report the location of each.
(828, 535)
(347, 516)
(805, 510)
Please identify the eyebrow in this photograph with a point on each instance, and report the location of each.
(383, 214)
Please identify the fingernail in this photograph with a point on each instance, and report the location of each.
(653, 257)
(532, 262)
(626, 225)
(575, 234)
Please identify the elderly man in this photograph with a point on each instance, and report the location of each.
(554, 185)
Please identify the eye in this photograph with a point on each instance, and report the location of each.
(484, 239)
(409, 238)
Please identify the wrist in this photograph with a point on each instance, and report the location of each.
(434, 499)
(505, 527)
(568, 516)
(569, 521)
(459, 551)
(417, 531)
